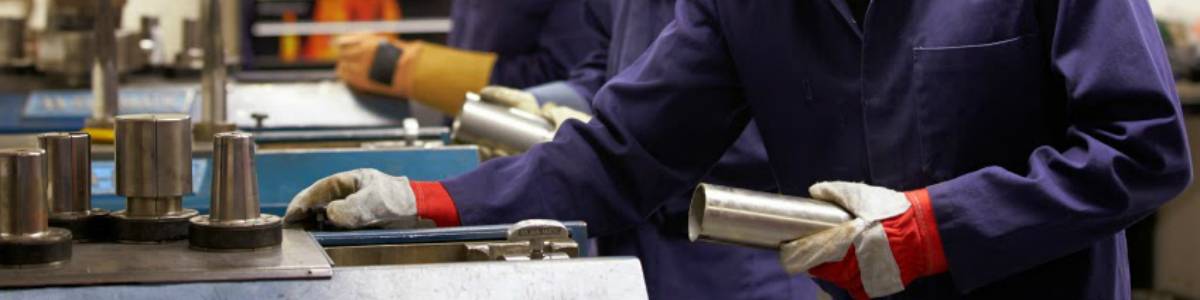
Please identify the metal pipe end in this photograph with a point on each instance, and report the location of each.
(696, 212)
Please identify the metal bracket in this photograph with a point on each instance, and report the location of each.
(534, 239)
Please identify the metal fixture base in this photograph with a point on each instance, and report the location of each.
(47, 248)
(88, 226)
(151, 230)
(266, 231)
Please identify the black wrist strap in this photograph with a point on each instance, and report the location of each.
(383, 66)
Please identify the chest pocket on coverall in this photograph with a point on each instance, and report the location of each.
(979, 104)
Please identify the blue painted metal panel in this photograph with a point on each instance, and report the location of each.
(281, 174)
(77, 104)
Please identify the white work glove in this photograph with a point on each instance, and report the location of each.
(880, 274)
(510, 97)
(360, 198)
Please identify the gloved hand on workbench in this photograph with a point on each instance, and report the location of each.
(429, 73)
(370, 198)
(892, 241)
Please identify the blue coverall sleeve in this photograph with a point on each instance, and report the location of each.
(561, 43)
(659, 126)
(1123, 155)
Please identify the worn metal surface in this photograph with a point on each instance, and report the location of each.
(591, 278)
(298, 257)
(501, 128)
(737, 216)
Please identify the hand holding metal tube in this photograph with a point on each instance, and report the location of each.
(505, 121)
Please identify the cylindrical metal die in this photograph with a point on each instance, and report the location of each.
(235, 182)
(25, 238)
(745, 217)
(154, 155)
(506, 129)
(235, 222)
(69, 176)
(154, 172)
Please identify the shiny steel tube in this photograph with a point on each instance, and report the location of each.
(235, 182)
(745, 217)
(68, 171)
(22, 192)
(154, 162)
(213, 76)
(499, 127)
(105, 85)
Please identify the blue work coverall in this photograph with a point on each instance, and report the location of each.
(1040, 128)
(674, 267)
(537, 41)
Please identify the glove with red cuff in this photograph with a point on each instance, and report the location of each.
(370, 198)
(892, 241)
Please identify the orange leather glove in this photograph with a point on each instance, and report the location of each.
(432, 74)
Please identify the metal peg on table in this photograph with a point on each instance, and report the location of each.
(154, 172)
(69, 177)
(25, 237)
(235, 222)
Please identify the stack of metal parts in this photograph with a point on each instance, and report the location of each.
(69, 174)
(236, 223)
(154, 172)
(25, 237)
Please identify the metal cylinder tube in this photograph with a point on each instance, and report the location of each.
(235, 182)
(22, 192)
(751, 218)
(213, 78)
(235, 222)
(154, 172)
(507, 129)
(69, 180)
(154, 155)
(68, 171)
(25, 237)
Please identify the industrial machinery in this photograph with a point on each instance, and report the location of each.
(235, 222)
(69, 176)
(25, 238)
(79, 32)
(744, 217)
(154, 172)
(196, 209)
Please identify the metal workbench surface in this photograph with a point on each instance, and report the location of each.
(583, 278)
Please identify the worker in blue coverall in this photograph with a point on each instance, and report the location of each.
(509, 43)
(987, 149)
(668, 257)
(660, 241)
(629, 27)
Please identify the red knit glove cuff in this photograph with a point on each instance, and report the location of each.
(434, 203)
(915, 241)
